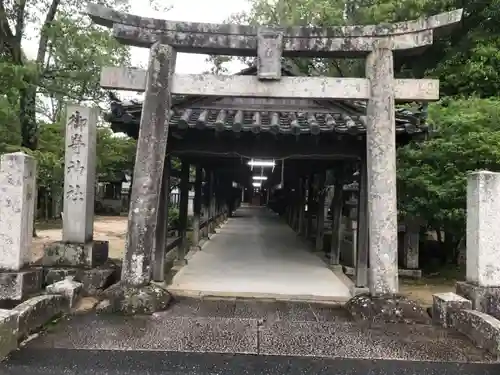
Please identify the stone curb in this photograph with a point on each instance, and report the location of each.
(27, 317)
(481, 328)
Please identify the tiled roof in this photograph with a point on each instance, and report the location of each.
(322, 117)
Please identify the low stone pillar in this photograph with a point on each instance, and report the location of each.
(411, 244)
(17, 209)
(78, 248)
(482, 285)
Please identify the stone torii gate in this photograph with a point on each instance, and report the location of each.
(377, 44)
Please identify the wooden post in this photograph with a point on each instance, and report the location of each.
(162, 225)
(310, 204)
(197, 207)
(211, 201)
(320, 213)
(363, 230)
(183, 212)
(301, 208)
(148, 169)
(336, 222)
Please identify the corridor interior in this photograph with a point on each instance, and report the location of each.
(255, 254)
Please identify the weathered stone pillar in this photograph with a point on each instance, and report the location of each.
(482, 284)
(381, 158)
(183, 212)
(411, 244)
(362, 232)
(336, 223)
(17, 208)
(320, 212)
(197, 207)
(162, 225)
(78, 247)
(148, 172)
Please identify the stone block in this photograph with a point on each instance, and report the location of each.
(17, 207)
(484, 299)
(19, 285)
(67, 288)
(131, 300)
(91, 254)
(445, 304)
(53, 275)
(410, 273)
(483, 241)
(37, 311)
(96, 279)
(386, 309)
(481, 328)
(8, 332)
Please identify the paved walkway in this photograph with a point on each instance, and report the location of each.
(255, 254)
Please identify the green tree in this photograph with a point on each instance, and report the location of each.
(432, 175)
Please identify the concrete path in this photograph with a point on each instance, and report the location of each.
(255, 254)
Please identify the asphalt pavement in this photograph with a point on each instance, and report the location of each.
(89, 362)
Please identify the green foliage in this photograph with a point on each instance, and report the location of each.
(116, 155)
(432, 175)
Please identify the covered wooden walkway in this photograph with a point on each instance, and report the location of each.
(257, 255)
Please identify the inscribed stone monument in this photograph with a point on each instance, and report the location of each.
(77, 247)
(17, 209)
(79, 179)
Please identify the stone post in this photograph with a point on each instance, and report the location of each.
(149, 164)
(381, 159)
(78, 247)
(411, 244)
(17, 209)
(483, 217)
(482, 285)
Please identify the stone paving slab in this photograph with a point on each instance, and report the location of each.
(350, 340)
(222, 335)
(92, 362)
(224, 330)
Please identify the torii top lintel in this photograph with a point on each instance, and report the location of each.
(242, 40)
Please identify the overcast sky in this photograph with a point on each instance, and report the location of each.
(183, 10)
(189, 10)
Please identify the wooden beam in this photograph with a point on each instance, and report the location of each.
(132, 79)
